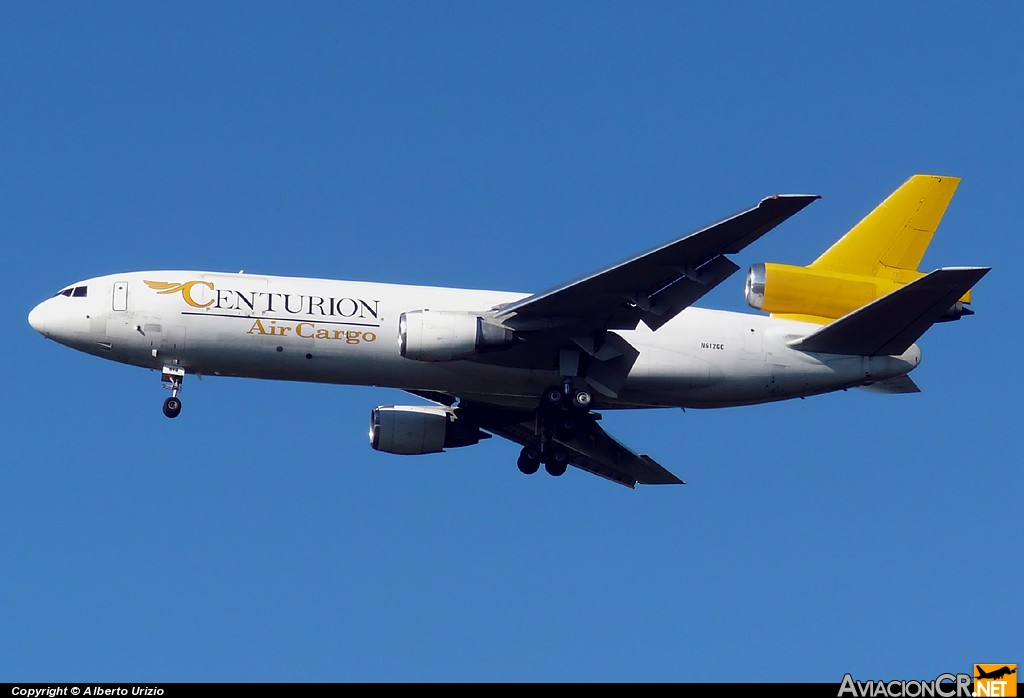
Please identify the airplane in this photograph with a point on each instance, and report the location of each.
(538, 369)
(995, 674)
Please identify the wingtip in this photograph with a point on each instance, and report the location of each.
(977, 272)
(805, 198)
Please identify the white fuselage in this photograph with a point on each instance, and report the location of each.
(347, 332)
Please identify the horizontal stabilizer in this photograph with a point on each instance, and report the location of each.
(891, 324)
(893, 386)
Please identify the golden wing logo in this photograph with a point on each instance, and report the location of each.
(169, 287)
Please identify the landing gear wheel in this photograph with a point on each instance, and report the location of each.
(553, 397)
(582, 399)
(172, 407)
(557, 462)
(529, 460)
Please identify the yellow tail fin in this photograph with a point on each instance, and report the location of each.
(894, 236)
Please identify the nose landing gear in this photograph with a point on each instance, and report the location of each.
(172, 377)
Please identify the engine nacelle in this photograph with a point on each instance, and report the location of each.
(782, 289)
(957, 311)
(791, 290)
(437, 335)
(414, 430)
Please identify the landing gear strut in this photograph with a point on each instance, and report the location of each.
(172, 377)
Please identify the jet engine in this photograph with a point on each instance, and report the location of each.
(434, 335)
(409, 430)
(824, 295)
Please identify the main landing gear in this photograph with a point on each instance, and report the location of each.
(563, 410)
(172, 377)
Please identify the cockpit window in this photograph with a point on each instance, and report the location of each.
(77, 292)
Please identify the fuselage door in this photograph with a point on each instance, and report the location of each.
(120, 298)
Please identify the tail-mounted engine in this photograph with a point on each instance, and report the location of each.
(435, 335)
(414, 430)
(822, 295)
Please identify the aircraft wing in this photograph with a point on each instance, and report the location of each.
(655, 286)
(591, 449)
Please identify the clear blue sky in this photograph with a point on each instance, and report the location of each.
(514, 146)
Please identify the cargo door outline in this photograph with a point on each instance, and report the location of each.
(119, 296)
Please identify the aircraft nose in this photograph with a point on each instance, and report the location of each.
(37, 318)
